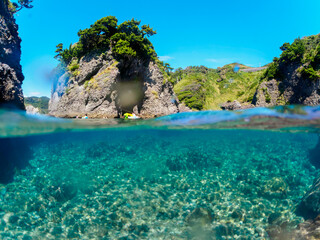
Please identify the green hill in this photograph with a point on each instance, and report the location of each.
(205, 88)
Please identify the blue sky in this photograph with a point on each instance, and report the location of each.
(203, 32)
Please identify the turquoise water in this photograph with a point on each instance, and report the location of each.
(203, 175)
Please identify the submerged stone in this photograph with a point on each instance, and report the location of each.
(200, 216)
(309, 206)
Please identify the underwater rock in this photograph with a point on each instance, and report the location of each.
(314, 155)
(274, 217)
(309, 229)
(63, 192)
(200, 216)
(222, 231)
(309, 206)
(237, 214)
(11, 159)
(13, 219)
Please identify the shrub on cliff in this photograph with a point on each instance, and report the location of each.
(126, 40)
(293, 52)
(304, 52)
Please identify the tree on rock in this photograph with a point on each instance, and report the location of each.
(126, 40)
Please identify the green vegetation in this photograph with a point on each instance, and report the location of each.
(273, 70)
(293, 52)
(310, 73)
(17, 6)
(205, 88)
(126, 41)
(38, 102)
(73, 67)
(267, 95)
(304, 52)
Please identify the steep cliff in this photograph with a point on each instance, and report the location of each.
(11, 76)
(101, 86)
(294, 78)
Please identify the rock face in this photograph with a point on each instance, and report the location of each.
(103, 87)
(309, 207)
(314, 155)
(11, 76)
(293, 88)
(11, 159)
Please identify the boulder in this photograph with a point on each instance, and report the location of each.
(200, 216)
(235, 105)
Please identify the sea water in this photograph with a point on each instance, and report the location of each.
(200, 175)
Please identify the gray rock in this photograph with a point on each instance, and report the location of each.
(104, 87)
(200, 216)
(11, 76)
(235, 105)
(293, 88)
(309, 206)
(308, 230)
(267, 94)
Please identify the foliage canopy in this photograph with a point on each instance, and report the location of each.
(304, 52)
(126, 40)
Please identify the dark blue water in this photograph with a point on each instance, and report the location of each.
(203, 175)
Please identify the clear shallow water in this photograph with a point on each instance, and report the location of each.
(204, 175)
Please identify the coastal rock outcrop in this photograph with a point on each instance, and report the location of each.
(101, 86)
(294, 88)
(11, 76)
(294, 78)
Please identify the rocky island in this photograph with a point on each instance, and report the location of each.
(113, 69)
